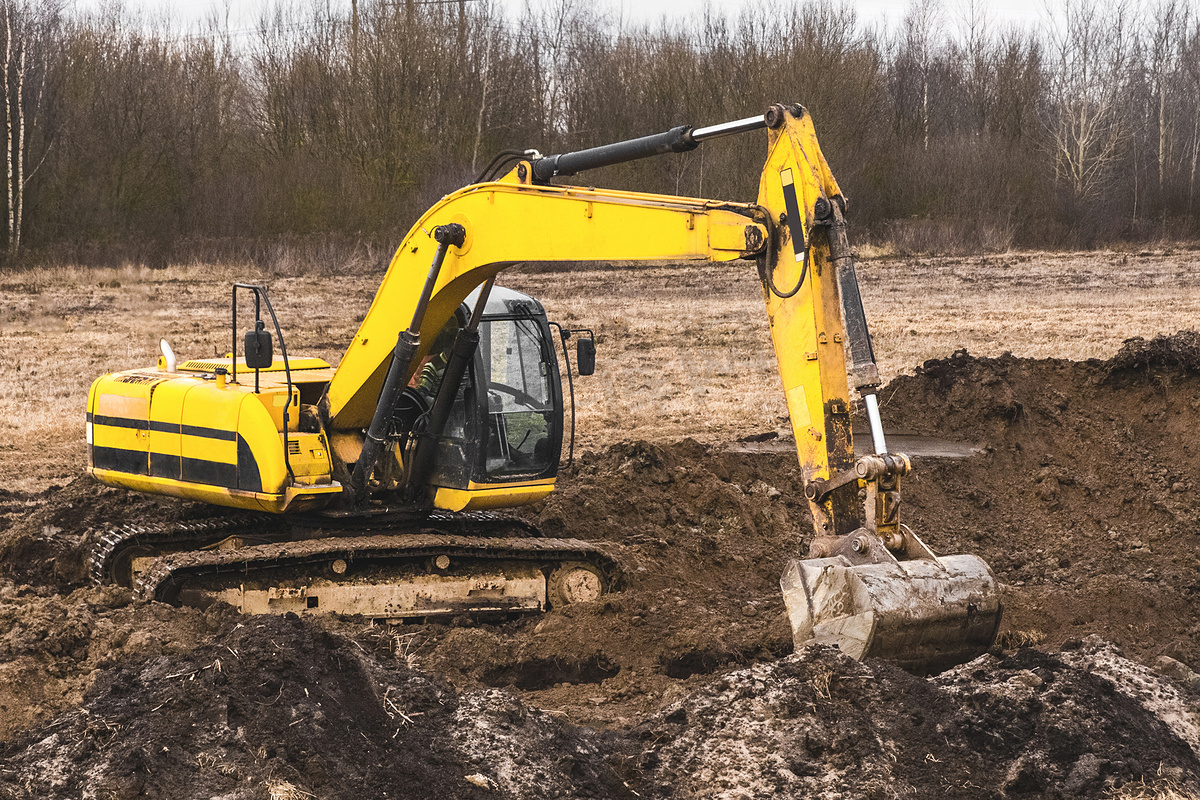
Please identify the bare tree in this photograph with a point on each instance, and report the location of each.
(1089, 46)
(1190, 47)
(921, 29)
(549, 43)
(27, 30)
(978, 61)
(10, 148)
(1166, 30)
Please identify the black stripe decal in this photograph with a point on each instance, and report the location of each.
(249, 477)
(795, 221)
(121, 422)
(243, 475)
(213, 473)
(165, 466)
(133, 462)
(164, 427)
(209, 433)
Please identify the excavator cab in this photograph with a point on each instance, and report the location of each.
(504, 433)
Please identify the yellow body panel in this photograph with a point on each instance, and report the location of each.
(186, 436)
(291, 498)
(210, 412)
(308, 455)
(126, 403)
(166, 441)
(485, 497)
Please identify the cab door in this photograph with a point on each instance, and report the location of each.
(523, 429)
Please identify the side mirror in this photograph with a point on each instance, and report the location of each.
(585, 356)
(259, 354)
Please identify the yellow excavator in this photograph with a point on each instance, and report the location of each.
(378, 488)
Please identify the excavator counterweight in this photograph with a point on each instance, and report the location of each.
(387, 470)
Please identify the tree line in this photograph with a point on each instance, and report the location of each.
(329, 128)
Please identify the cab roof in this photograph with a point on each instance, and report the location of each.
(503, 302)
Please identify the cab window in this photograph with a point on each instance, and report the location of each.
(520, 413)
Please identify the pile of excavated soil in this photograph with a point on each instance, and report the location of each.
(679, 684)
(278, 707)
(1084, 501)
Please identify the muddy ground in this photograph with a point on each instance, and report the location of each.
(1081, 496)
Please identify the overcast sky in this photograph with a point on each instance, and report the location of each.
(243, 13)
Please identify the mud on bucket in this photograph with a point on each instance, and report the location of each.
(925, 614)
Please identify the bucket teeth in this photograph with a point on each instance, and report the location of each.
(926, 614)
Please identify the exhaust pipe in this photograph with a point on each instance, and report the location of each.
(168, 361)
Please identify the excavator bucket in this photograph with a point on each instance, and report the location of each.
(925, 614)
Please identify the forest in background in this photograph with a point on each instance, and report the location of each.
(321, 133)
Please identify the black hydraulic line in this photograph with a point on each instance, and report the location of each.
(795, 224)
(794, 289)
(461, 354)
(502, 157)
(407, 344)
(500, 168)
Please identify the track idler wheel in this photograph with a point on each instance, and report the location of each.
(574, 582)
(120, 572)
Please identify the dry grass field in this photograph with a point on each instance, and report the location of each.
(683, 351)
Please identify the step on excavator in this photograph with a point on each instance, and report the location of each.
(379, 487)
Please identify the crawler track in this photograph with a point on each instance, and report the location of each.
(208, 557)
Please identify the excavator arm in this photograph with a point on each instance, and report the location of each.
(795, 233)
(518, 220)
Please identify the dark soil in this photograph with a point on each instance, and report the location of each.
(681, 684)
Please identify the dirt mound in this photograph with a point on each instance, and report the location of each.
(55, 646)
(271, 704)
(1180, 352)
(819, 724)
(1083, 499)
(280, 708)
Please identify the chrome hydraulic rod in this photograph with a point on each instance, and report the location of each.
(729, 128)
(872, 404)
